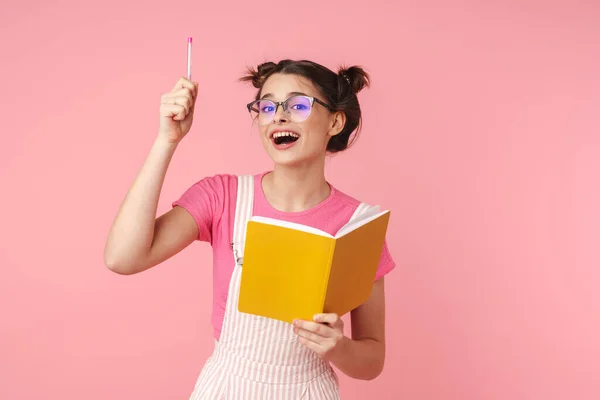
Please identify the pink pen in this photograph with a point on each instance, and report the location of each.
(189, 58)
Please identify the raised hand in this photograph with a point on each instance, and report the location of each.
(177, 110)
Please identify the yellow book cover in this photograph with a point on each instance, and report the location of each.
(292, 271)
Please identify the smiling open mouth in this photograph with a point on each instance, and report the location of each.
(285, 137)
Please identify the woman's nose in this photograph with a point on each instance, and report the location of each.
(280, 115)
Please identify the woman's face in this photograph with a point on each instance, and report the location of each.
(294, 143)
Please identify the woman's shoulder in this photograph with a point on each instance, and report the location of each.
(345, 205)
(345, 199)
(215, 181)
(224, 183)
(214, 188)
(226, 177)
(350, 206)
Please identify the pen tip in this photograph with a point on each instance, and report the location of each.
(189, 40)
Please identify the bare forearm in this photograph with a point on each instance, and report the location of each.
(360, 359)
(131, 234)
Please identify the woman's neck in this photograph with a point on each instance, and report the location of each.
(295, 189)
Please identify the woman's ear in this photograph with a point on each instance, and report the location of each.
(338, 123)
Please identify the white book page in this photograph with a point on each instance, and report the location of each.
(290, 225)
(364, 219)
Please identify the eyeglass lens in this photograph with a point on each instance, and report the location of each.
(297, 108)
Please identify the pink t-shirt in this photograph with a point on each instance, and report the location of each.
(212, 202)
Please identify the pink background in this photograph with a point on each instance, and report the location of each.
(481, 133)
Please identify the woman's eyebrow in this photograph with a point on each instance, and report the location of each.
(270, 95)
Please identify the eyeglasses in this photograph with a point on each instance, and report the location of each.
(297, 108)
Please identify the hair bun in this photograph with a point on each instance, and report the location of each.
(356, 77)
(259, 75)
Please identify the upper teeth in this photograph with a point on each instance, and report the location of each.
(282, 134)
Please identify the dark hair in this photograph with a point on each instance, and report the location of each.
(338, 89)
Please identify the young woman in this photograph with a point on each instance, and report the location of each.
(303, 111)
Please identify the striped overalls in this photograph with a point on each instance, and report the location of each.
(259, 358)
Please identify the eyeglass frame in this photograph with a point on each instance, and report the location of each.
(283, 104)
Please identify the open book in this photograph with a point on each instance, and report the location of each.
(295, 271)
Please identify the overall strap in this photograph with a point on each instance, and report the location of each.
(243, 212)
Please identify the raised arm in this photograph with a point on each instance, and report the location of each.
(137, 239)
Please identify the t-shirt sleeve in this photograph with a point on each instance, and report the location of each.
(204, 201)
(386, 263)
